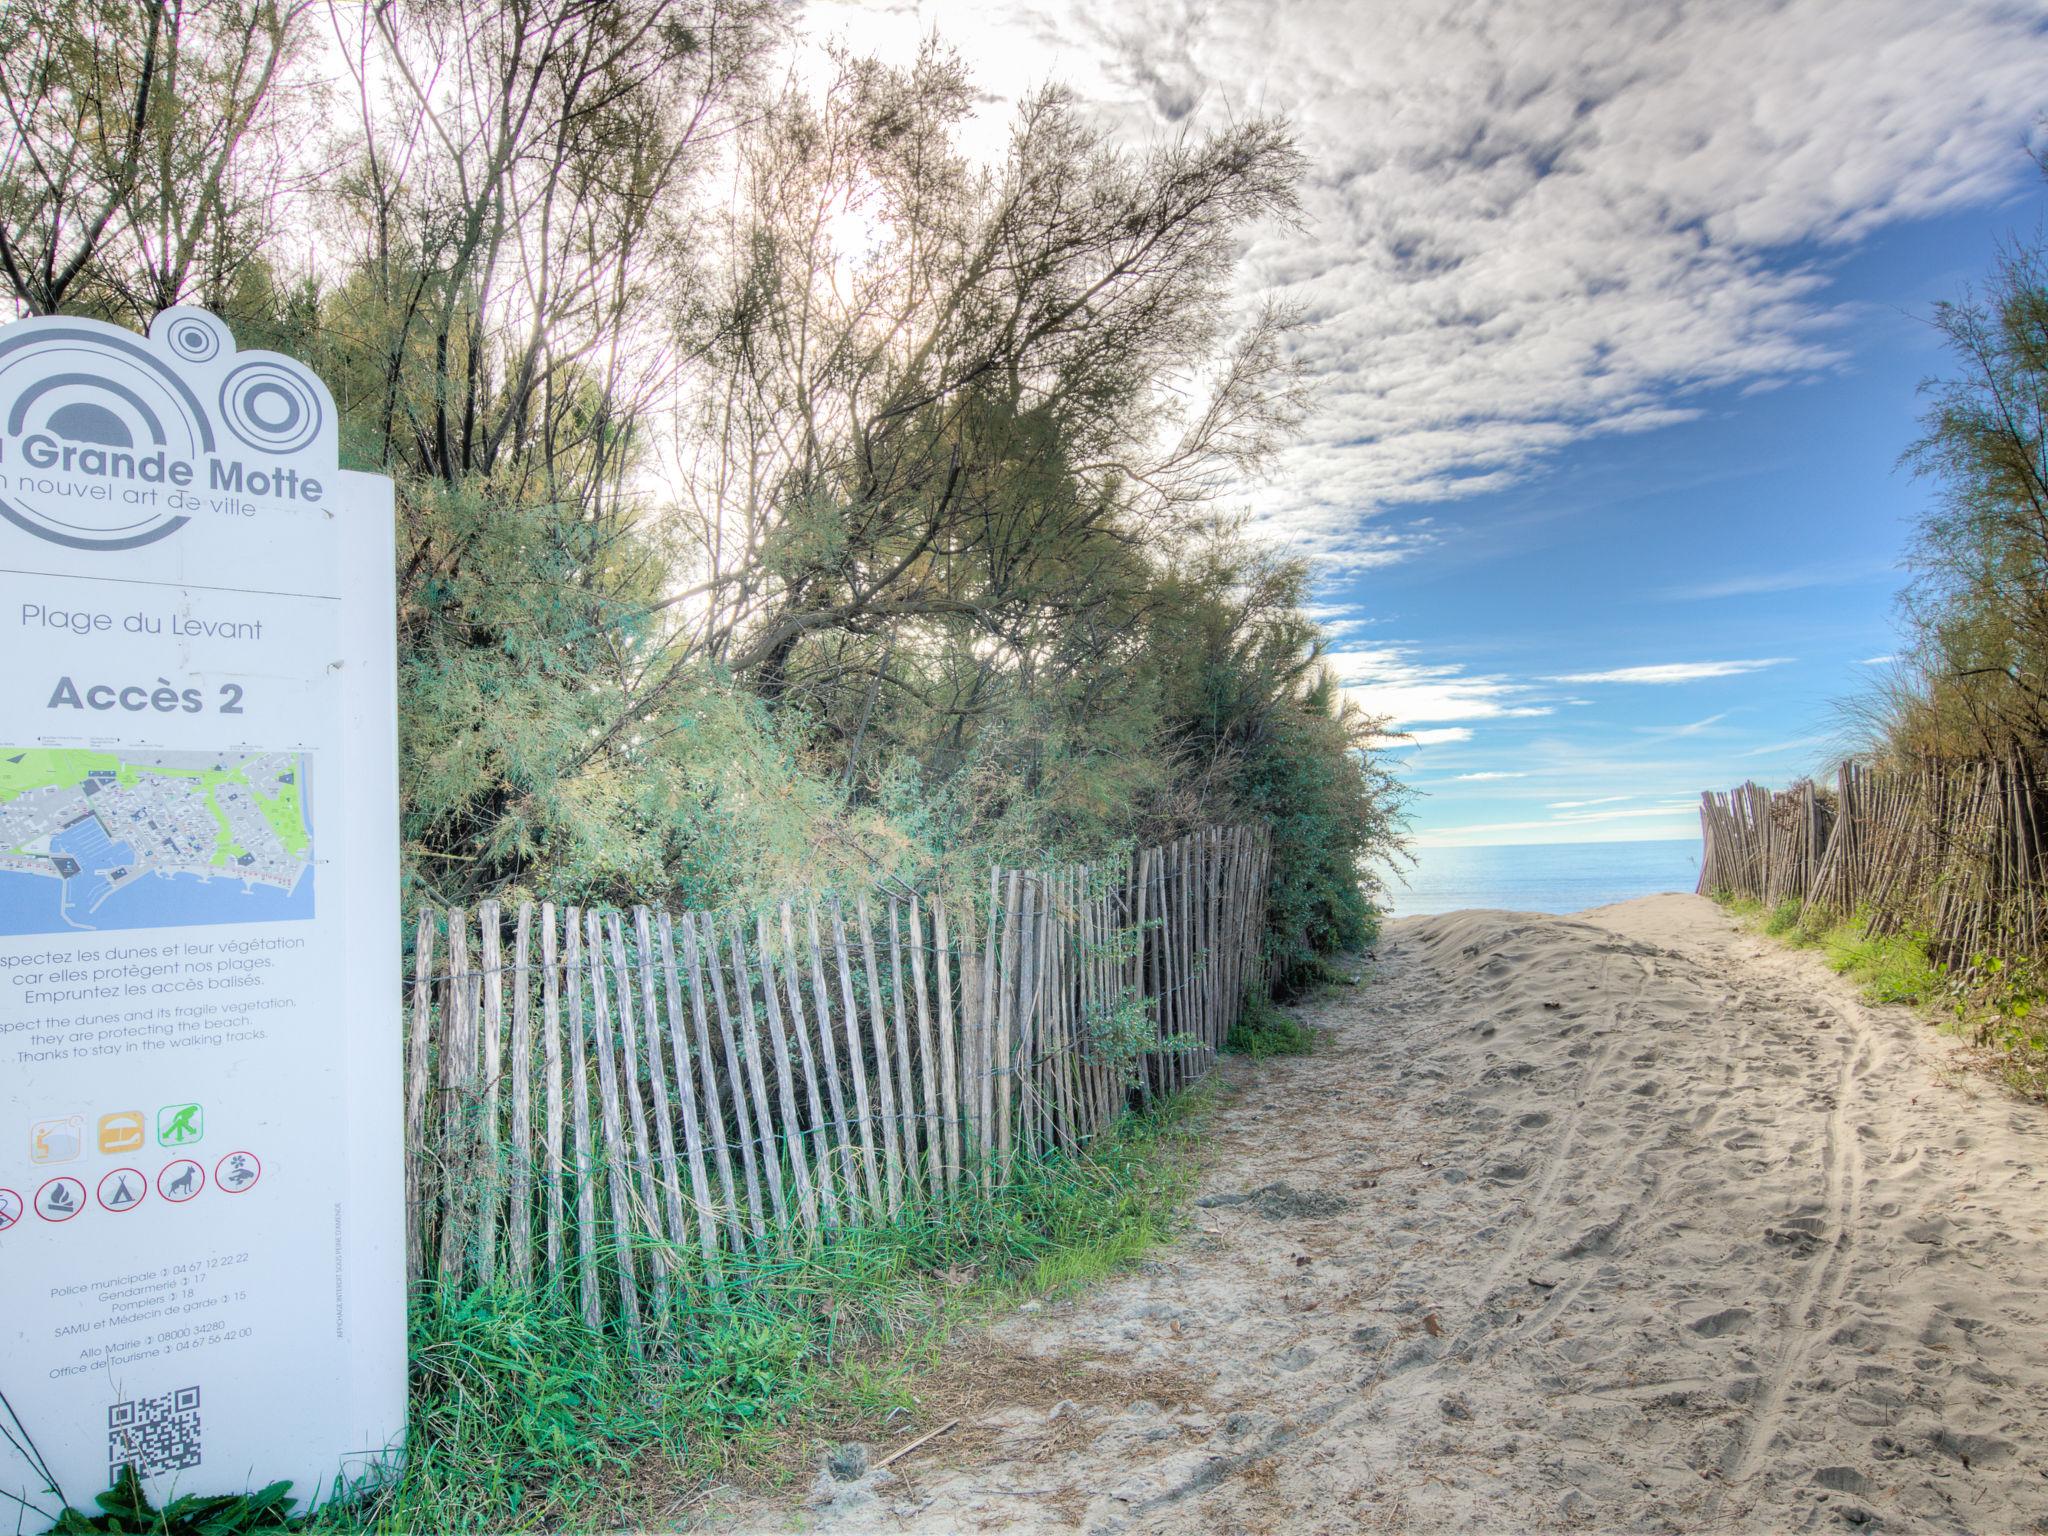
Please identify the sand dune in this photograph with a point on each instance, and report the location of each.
(1625, 1221)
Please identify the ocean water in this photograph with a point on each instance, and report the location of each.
(1544, 877)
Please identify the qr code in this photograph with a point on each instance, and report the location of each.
(154, 1434)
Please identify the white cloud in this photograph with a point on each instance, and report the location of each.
(1528, 223)
(1692, 728)
(1780, 581)
(1876, 661)
(1579, 818)
(1795, 745)
(1440, 736)
(1387, 681)
(1641, 822)
(1573, 805)
(1339, 619)
(1673, 671)
(1480, 778)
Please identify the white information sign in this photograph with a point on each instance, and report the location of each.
(201, 1191)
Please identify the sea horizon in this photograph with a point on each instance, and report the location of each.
(1541, 877)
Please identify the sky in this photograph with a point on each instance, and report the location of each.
(1619, 311)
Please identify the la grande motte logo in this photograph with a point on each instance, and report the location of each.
(109, 441)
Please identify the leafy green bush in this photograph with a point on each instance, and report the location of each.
(741, 1371)
(1278, 743)
(1264, 1029)
(1311, 778)
(653, 648)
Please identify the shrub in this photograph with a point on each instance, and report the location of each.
(1264, 1029)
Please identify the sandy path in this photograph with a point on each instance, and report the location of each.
(1625, 1221)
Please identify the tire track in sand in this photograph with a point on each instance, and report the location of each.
(1813, 1312)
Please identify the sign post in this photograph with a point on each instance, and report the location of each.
(201, 1188)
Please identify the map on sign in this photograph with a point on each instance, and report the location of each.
(143, 839)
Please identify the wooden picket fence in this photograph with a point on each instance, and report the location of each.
(1952, 851)
(606, 1099)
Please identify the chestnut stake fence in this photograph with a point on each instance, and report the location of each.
(1953, 851)
(598, 1100)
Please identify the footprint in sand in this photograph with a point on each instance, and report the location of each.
(1717, 1325)
(1594, 1241)
(1973, 1450)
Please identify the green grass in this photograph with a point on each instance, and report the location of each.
(1266, 1029)
(523, 1419)
(124, 1510)
(1783, 919)
(1894, 968)
(1891, 968)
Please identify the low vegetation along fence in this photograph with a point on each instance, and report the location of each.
(604, 1099)
(1954, 853)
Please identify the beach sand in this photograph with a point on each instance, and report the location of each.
(1620, 1221)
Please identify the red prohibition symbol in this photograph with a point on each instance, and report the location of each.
(180, 1181)
(60, 1199)
(122, 1190)
(236, 1172)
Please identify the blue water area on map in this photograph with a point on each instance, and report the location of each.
(35, 904)
(31, 903)
(1544, 877)
(86, 841)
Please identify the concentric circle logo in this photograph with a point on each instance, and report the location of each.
(194, 340)
(270, 408)
(94, 421)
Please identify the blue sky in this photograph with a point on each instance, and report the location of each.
(1617, 311)
(1768, 528)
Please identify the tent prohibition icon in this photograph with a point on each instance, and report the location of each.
(123, 1189)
